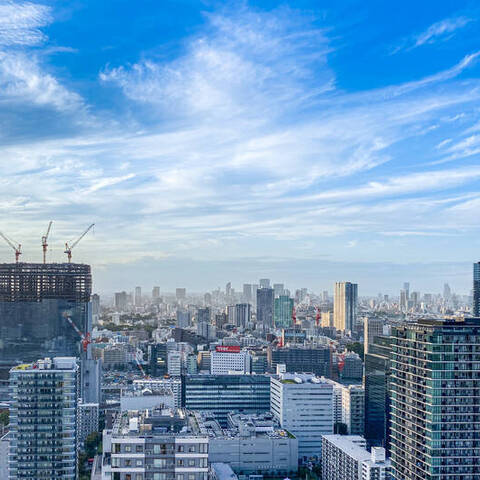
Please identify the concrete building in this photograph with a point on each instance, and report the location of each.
(159, 384)
(146, 399)
(230, 359)
(346, 458)
(183, 319)
(155, 444)
(353, 409)
(303, 404)
(43, 419)
(345, 306)
(120, 301)
(206, 330)
(352, 367)
(88, 418)
(181, 293)
(250, 444)
(174, 363)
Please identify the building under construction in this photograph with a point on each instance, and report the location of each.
(44, 309)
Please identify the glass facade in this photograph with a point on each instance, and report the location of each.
(377, 387)
(38, 305)
(283, 311)
(435, 400)
(222, 394)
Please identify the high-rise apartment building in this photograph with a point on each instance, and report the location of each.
(303, 404)
(435, 419)
(203, 315)
(155, 444)
(353, 409)
(283, 309)
(345, 306)
(265, 299)
(476, 290)
(43, 419)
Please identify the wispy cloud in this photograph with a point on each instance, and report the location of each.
(439, 31)
(241, 142)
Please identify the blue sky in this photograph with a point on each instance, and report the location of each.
(214, 141)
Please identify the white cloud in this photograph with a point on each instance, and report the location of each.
(439, 29)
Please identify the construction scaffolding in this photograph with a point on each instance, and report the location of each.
(34, 282)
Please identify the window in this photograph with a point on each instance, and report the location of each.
(191, 463)
(191, 476)
(180, 448)
(180, 462)
(128, 448)
(159, 476)
(138, 476)
(139, 463)
(159, 462)
(191, 448)
(139, 448)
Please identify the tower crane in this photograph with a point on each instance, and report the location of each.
(86, 339)
(69, 248)
(18, 248)
(44, 242)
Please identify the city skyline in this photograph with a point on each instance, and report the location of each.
(218, 133)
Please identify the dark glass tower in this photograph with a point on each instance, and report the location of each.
(39, 304)
(476, 290)
(265, 298)
(377, 392)
(435, 400)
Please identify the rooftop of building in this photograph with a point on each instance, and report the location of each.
(223, 471)
(263, 425)
(154, 422)
(301, 378)
(355, 447)
(146, 392)
(56, 363)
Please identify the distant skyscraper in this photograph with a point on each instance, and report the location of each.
(265, 307)
(434, 399)
(155, 293)
(120, 301)
(372, 327)
(447, 292)
(242, 314)
(283, 312)
(181, 293)
(476, 289)
(278, 289)
(264, 283)
(204, 315)
(95, 304)
(138, 296)
(228, 289)
(43, 419)
(247, 292)
(183, 319)
(345, 306)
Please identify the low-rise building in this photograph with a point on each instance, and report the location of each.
(345, 457)
(251, 444)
